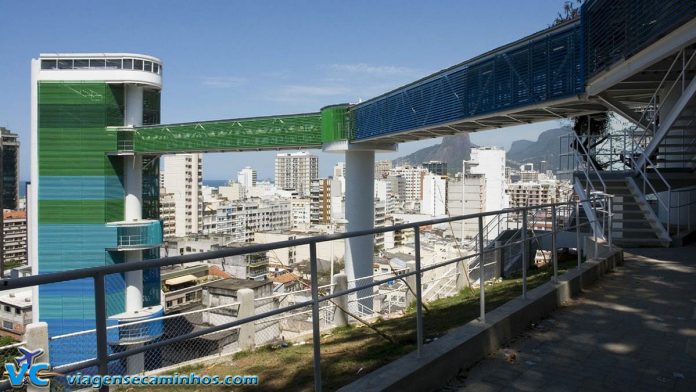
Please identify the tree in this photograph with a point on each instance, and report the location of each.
(570, 12)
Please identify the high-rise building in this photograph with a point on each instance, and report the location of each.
(382, 169)
(14, 252)
(94, 201)
(247, 177)
(183, 177)
(413, 179)
(490, 162)
(320, 201)
(434, 200)
(339, 170)
(295, 171)
(10, 169)
(436, 167)
(466, 194)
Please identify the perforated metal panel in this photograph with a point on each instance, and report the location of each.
(615, 30)
(539, 68)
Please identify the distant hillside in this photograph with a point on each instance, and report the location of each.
(545, 148)
(455, 149)
(452, 149)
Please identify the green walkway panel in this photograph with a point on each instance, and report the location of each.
(242, 134)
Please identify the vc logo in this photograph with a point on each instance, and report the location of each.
(27, 370)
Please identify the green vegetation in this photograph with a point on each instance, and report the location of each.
(351, 352)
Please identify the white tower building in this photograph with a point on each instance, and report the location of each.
(296, 171)
(183, 178)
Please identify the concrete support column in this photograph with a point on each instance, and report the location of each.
(360, 213)
(462, 280)
(247, 332)
(340, 282)
(134, 106)
(133, 211)
(36, 337)
(133, 176)
(411, 283)
(498, 257)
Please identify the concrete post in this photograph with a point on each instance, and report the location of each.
(411, 281)
(247, 332)
(36, 336)
(498, 257)
(462, 280)
(340, 282)
(133, 211)
(360, 200)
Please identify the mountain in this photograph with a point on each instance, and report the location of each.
(545, 148)
(457, 148)
(453, 150)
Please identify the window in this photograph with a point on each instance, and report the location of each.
(81, 64)
(65, 64)
(169, 304)
(148, 66)
(97, 63)
(155, 67)
(18, 311)
(138, 65)
(7, 324)
(113, 63)
(127, 63)
(7, 308)
(180, 301)
(48, 64)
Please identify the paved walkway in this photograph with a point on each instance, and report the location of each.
(633, 331)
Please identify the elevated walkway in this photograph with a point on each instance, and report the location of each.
(604, 60)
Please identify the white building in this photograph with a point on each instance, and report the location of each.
(413, 177)
(183, 178)
(434, 200)
(490, 162)
(242, 219)
(466, 195)
(382, 169)
(247, 178)
(295, 171)
(14, 252)
(300, 212)
(15, 312)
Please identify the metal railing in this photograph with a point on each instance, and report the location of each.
(321, 297)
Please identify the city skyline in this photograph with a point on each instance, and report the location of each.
(253, 74)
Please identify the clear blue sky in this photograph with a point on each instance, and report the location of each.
(226, 59)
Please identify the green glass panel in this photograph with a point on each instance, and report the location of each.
(80, 211)
(292, 131)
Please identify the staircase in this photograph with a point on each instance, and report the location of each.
(634, 221)
(650, 168)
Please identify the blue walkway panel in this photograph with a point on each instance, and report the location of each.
(615, 30)
(542, 67)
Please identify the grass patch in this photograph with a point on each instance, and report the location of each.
(351, 352)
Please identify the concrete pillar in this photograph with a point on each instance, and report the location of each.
(462, 280)
(411, 282)
(133, 176)
(360, 201)
(498, 257)
(340, 282)
(247, 332)
(134, 106)
(133, 211)
(36, 337)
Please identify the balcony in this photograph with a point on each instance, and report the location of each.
(133, 327)
(137, 235)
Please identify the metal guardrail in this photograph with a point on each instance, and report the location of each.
(98, 275)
